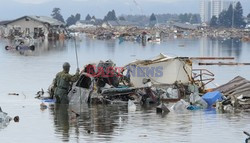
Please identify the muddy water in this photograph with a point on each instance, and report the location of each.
(26, 74)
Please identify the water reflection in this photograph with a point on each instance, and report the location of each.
(111, 45)
(61, 121)
(98, 120)
(40, 46)
(221, 47)
(113, 122)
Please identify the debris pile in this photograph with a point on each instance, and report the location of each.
(5, 119)
(158, 34)
(237, 93)
(160, 80)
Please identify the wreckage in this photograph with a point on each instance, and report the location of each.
(144, 81)
(161, 79)
(5, 119)
(237, 93)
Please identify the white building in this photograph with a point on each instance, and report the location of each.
(216, 8)
(205, 10)
(210, 8)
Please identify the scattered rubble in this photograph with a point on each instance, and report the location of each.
(237, 93)
(158, 34)
(5, 119)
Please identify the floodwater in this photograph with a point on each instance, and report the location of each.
(26, 74)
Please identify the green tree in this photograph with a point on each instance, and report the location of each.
(122, 18)
(111, 16)
(238, 16)
(229, 17)
(194, 19)
(221, 19)
(78, 17)
(152, 17)
(73, 19)
(88, 17)
(56, 14)
(214, 22)
(248, 16)
(152, 20)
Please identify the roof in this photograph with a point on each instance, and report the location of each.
(159, 58)
(122, 23)
(185, 26)
(4, 22)
(42, 19)
(94, 21)
(236, 87)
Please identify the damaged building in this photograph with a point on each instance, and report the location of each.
(35, 27)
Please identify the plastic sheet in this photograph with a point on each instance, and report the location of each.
(196, 100)
(180, 106)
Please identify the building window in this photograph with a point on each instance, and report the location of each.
(27, 31)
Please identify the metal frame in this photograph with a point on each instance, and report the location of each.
(200, 73)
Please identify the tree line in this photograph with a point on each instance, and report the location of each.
(232, 17)
(111, 16)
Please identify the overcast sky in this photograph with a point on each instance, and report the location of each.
(10, 9)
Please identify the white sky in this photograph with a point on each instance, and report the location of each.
(99, 8)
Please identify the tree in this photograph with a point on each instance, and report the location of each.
(93, 17)
(111, 16)
(152, 17)
(233, 17)
(229, 17)
(185, 17)
(77, 17)
(152, 20)
(222, 21)
(122, 18)
(56, 14)
(226, 17)
(194, 19)
(88, 18)
(73, 19)
(238, 16)
(214, 22)
(248, 16)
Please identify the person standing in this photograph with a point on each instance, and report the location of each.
(63, 82)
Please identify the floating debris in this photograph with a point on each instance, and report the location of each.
(4, 119)
(131, 106)
(40, 94)
(16, 119)
(248, 139)
(225, 64)
(77, 115)
(43, 106)
(162, 108)
(236, 93)
(14, 94)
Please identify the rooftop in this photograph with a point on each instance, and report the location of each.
(42, 19)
